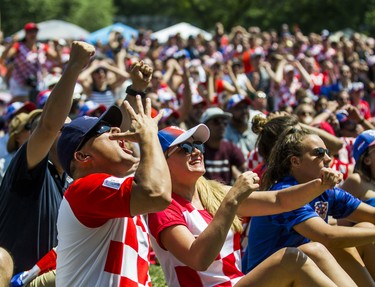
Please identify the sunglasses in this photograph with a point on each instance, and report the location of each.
(320, 152)
(101, 129)
(187, 147)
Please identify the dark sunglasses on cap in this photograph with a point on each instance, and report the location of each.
(187, 147)
(101, 129)
(320, 152)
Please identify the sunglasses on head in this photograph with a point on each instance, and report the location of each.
(188, 148)
(320, 152)
(99, 130)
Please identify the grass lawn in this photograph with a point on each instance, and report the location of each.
(157, 276)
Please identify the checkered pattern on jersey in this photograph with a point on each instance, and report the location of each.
(128, 257)
(27, 62)
(341, 167)
(254, 159)
(224, 271)
(346, 152)
(285, 96)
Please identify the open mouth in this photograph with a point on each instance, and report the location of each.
(125, 146)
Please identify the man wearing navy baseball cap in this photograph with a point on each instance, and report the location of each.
(75, 134)
(103, 240)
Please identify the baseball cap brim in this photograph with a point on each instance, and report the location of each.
(112, 116)
(198, 133)
(173, 135)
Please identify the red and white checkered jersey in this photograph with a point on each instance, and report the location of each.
(224, 271)
(285, 95)
(99, 243)
(254, 159)
(340, 166)
(345, 154)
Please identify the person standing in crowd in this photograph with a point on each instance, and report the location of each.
(19, 133)
(33, 187)
(199, 105)
(26, 59)
(100, 81)
(223, 160)
(12, 111)
(106, 243)
(297, 157)
(196, 238)
(239, 130)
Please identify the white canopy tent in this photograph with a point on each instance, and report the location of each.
(57, 29)
(184, 29)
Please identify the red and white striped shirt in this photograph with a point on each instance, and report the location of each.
(226, 268)
(99, 243)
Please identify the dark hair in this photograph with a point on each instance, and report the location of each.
(289, 144)
(269, 130)
(362, 168)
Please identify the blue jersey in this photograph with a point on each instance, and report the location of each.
(268, 234)
(370, 201)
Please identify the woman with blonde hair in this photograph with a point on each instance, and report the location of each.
(197, 238)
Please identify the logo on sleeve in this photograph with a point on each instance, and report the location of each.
(113, 182)
(321, 208)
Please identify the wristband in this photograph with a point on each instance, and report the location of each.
(131, 92)
(361, 121)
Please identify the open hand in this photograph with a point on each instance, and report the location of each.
(142, 124)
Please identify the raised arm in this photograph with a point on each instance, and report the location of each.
(120, 75)
(151, 191)
(199, 252)
(58, 105)
(186, 105)
(273, 202)
(140, 75)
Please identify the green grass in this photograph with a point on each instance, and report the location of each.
(157, 276)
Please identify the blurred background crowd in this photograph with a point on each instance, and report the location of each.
(326, 80)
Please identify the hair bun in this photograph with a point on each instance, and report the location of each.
(258, 124)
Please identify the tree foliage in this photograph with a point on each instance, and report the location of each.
(267, 14)
(89, 14)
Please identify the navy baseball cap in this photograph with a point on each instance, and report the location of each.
(362, 142)
(171, 136)
(74, 133)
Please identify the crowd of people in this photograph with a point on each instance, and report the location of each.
(227, 158)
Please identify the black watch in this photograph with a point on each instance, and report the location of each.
(131, 92)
